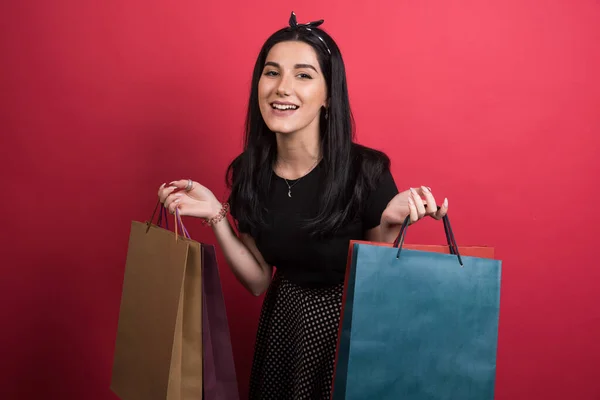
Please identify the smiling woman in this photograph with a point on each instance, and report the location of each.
(300, 191)
(292, 91)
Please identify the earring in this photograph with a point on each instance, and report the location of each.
(326, 113)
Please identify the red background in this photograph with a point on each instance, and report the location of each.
(493, 104)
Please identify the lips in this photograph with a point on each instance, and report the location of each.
(281, 109)
(284, 106)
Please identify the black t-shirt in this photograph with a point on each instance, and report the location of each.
(311, 261)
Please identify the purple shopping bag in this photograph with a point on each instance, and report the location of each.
(220, 380)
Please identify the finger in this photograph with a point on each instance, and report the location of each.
(165, 192)
(160, 189)
(173, 205)
(414, 215)
(441, 213)
(172, 198)
(185, 208)
(168, 192)
(430, 201)
(161, 194)
(182, 184)
(418, 203)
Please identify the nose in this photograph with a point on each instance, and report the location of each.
(285, 86)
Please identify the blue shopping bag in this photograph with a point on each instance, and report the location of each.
(418, 325)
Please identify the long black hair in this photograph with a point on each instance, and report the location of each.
(348, 169)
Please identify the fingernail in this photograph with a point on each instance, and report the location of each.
(446, 202)
(413, 191)
(425, 189)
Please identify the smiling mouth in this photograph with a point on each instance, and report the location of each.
(284, 107)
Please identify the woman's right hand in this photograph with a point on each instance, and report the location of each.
(199, 202)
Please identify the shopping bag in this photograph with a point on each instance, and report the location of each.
(158, 350)
(220, 381)
(418, 323)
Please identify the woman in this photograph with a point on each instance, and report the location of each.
(300, 191)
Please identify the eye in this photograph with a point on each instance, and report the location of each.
(304, 76)
(271, 73)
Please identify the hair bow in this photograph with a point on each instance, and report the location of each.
(295, 25)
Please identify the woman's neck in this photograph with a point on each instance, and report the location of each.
(296, 154)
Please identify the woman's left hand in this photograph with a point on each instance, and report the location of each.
(411, 203)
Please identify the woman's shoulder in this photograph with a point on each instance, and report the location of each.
(369, 161)
(369, 154)
(374, 183)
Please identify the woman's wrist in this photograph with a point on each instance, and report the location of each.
(219, 212)
(215, 208)
(388, 231)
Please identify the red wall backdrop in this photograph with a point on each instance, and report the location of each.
(495, 105)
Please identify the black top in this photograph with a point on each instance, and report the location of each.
(311, 261)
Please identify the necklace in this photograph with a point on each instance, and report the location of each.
(298, 180)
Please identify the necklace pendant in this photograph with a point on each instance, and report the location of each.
(289, 193)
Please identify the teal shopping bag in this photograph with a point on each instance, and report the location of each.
(417, 324)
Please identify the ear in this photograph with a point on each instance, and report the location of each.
(326, 104)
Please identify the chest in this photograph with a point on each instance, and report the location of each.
(286, 242)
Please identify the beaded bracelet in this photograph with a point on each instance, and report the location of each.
(218, 217)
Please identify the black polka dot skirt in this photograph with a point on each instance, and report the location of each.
(296, 342)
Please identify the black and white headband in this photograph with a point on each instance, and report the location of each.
(294, 25)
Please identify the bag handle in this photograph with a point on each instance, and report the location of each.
(399, 242)
(163, 213)
(149, 222)
(447, 231)
(179, 223)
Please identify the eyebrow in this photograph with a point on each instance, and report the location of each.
(297, 66)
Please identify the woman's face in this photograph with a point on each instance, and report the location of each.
(292, 89)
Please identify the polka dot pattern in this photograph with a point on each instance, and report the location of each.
(296, 342)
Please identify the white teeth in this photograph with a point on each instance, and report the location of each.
(284, 106)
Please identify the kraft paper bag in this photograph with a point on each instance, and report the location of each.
(418, 323)
(220, 381)
(158, 351)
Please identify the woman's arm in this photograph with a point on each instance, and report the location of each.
(241, 253)
(377, 235)
(244, 258)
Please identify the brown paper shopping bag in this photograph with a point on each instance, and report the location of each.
(158, 351)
